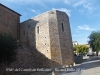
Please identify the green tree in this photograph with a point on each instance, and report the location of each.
(81, 49)
(8, 46)
(94, 41)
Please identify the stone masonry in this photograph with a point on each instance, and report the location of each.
(47, 36)
(9, 21)
(50, 34)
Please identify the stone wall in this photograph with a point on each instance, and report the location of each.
(9, 21)
(65, 38)
(49, 33)
(25, 59)
(60, 38)
(47, 37)
(54, 39)
(35, 33)
(42, 38)
(27, 32)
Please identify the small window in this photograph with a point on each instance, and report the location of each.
(62, 26)
(23, 32)
(38, 30)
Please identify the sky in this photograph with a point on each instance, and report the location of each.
(84, 15)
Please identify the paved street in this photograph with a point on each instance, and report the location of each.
(90, 67)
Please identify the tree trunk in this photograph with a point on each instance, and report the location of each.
(96, 53)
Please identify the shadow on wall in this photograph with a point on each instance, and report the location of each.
(31, 26)
(28, 58)
(27, 32)
(43, 61)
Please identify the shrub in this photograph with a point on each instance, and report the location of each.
(8, 46)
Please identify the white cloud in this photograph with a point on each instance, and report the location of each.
(70, 2)
(75, 3)
(67, 2)
(79, 3)
(86, 5)
(35, 11)
(84, 27)
(65, 10)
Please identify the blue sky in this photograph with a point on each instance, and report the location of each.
(84, 15)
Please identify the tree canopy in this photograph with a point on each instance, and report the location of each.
(8, 46)
(81, 49)
(94, 41)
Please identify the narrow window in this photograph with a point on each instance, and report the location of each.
(23, 32)
(62, 26)
(38, 30)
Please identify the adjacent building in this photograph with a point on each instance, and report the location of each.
(9, 21)
(75, 43)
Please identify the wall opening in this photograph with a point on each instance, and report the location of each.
(23, 32)
(38, 29)
(62, 26)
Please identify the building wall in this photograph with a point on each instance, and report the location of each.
(9, 21)
(65, 38)
(37, 35)
(27, 32)
(54, 40)
(75, 43)
(42, 38)
(44, 32)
